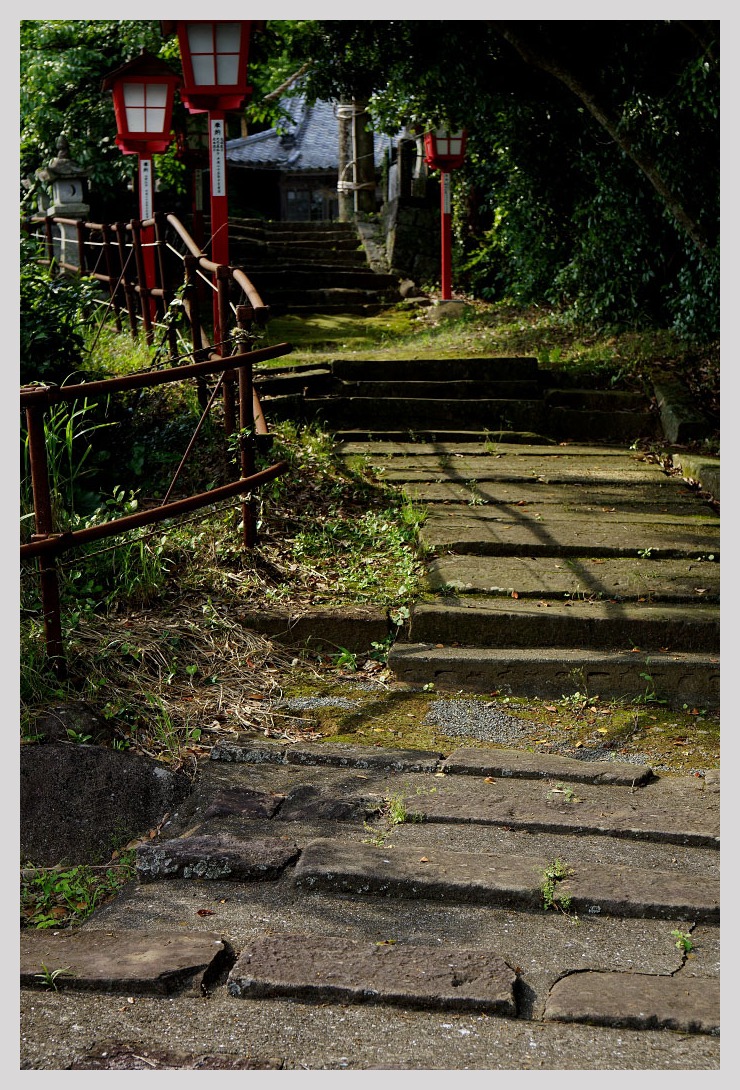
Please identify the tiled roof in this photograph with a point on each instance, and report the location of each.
(310, 142)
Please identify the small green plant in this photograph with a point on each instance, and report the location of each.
(78, 737)
(645, 554)
(649, 696)
(565, 790)
(683, 941)
(48, 977)
(344, 659)
(397, 812)
(555, 872)
(54, 897)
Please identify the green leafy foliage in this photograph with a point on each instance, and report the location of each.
(58, 897)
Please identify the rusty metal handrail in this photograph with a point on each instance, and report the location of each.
(121, 249)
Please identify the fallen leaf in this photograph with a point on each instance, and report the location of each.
(550, 708)
(205, 912)
(602, 730)
(514, 594)
(520, 503)
(489, 779)
(423, 859)
(578, 745)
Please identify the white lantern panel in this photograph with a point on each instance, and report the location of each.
(204, 72)
(228, 69)
(134, 94)
(145, 106)
(228, 37)
(200, 37)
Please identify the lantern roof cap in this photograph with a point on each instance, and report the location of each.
(146, 64)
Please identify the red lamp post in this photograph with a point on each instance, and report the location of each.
(444, 151)
(143, 96)
(214, 63)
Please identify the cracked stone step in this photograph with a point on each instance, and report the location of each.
(544, 468)
(510, 880)
(666, 811)
(336, 755)
(219, 857)
(680, 677)
(146, 962)
(338, 970)
(637, 1001)
(536, 766)
(548, 577)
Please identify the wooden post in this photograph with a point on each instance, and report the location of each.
(47, 568)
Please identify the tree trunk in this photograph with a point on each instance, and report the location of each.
(603, 115)
(364, 146)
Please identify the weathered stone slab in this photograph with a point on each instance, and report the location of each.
(522, 622)
(545, 468)
(515, 881)
(683, 677)
(534, 766)
(637, 1001)
(494, 534)
(150, 962)
(635, 814)
(310, 803)
(222, 857)
(341, 755)
(664, 495)
(340, 970)
(333, 754)
(625, 579)
(618, 890)
(243, 802)
(245, 750)
(381, 452)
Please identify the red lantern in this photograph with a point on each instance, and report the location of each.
(445, 150)
(214, 63)
(143, 96)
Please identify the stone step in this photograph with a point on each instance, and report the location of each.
(465, 390)
(679, 678)
(513, 881)
(496, 532)
(339, 970)
(580, 578)
(413, 413)
(149, 962)
(682, 1003)
(664, 495)
(316, 277)
(490, 623)
(486, 369)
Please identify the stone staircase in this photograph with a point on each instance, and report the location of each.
(327, 906)
(554, 565)
(454, 399)
(305, 266)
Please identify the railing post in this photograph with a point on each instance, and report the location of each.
(191, 301)
(144, 298)
(81, 263)
(47, 568)
(224, 348)
(247, 443)
(128, 289)
(109, 266)
(160, 250)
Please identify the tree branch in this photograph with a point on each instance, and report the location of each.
(609, 121)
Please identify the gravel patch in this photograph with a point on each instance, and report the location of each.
(300, 703)
(471, 719)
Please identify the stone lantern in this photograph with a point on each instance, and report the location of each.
(67, 180)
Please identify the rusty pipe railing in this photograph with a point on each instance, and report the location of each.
(113, 255)
(46, 544)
